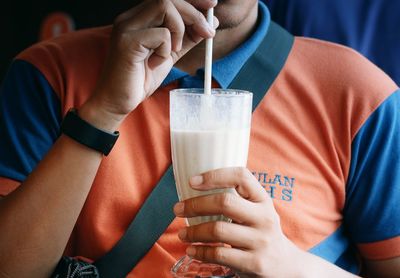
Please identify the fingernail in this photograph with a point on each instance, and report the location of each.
(196, 180)
(191, 251)
(210, 27)
(179, 208)
(182, 234)
(216, 23)
(178, 47)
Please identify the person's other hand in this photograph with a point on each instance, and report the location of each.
(145, 43)
(258, 246)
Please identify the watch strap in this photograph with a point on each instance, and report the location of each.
(86, 134)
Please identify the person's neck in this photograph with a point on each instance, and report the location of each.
(225, 41)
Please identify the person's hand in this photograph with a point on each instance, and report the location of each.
(258, 246)
(145, 43)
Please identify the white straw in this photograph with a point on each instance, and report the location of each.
(209, 51)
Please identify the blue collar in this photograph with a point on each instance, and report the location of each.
(225, 69)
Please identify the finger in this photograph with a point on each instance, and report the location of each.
(161, 46)
(144, 6)
(228, 204)
(194, 18)
(235, 258)
(236, 235)
(177, 16)
(236, 177)
(154, 14)
(156, 39)
(203, 4)
(173, 21)
(153, 45)
(193, 30)
(190, 40)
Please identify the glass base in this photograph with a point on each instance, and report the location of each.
(187, 267)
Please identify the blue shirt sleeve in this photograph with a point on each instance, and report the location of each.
(372, 208)
(30, 117)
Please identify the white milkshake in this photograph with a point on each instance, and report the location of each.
(208, 132)
(198, 151)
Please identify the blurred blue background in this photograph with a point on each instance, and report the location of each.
(370, 26)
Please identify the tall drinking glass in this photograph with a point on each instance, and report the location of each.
(208, 132)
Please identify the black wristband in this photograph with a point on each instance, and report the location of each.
(86, 134)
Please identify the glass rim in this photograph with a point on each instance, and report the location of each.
(219, 92)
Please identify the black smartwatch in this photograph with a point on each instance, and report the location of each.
(86, 134)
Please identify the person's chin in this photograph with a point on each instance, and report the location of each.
(228, 20)
(227, 25)
(231, 13)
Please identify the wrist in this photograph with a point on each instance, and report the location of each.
(298, 263)
(309, 265)
(303, 266)
(101, 118)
